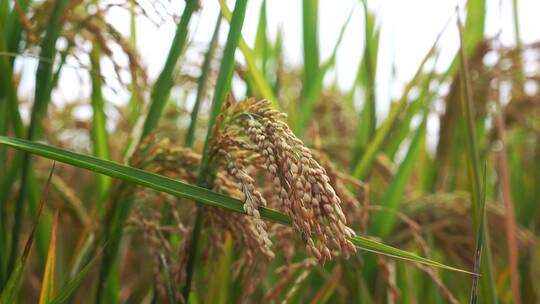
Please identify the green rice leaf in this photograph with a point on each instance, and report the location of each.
(261, 50)
(206, 172)
(11, 289)
(314, 90)
(99, 129)
(203, 196)
(393, 196)
(482, 252)
(375, 145)
(42, 95)
(256, 76)
(310, 14)
(164, 83)
(202, 83)
(67, 290)
(219, 287)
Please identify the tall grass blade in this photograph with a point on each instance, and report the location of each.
(14, 28)
(475, 25)
(511, 227)
(365, 78)
(423, 100)
(202, 84)
(203, 196)
(254, 73)
(164, 83)
(381, 135)
(277, 55)
(370, 68)
(261, 50)
(99, 127)
(310, 10)
(314, 90)
(67, 290)
(478, 192)
(7, 99)
(4, 10)
(39, 110)
(520, 75)
(219, 288)
(49, 275)
(384, 222)
(167, 278)
(367, 244)
(119, 212)
(206, 173)
(13, 285)
(134, 101)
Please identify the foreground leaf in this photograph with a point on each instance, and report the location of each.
(198, 194)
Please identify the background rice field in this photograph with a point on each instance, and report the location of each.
(213, 163)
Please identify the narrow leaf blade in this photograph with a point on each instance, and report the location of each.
(201, 195)
(49, 276)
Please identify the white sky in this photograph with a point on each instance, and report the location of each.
(408, 29)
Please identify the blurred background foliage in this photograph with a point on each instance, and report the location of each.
(112, 242)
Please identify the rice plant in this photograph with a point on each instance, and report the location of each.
(272, 184)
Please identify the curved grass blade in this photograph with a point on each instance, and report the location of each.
(204, 196)
(8, 100)
(367, 244)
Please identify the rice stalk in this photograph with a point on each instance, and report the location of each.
(39, 110)
(206, 174)
(478, 209)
